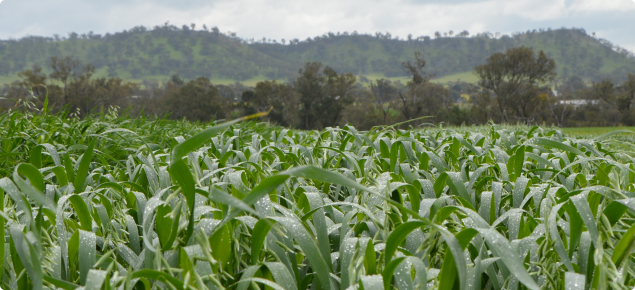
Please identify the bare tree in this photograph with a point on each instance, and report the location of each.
(410, 107)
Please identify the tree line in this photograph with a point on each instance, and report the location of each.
(191, 51)
(515, 86)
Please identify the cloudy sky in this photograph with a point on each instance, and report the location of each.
(277, 19)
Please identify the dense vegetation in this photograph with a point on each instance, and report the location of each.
(142, 53)
(515, 86)
(109, 202)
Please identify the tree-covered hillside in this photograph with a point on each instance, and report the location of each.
(157, 53)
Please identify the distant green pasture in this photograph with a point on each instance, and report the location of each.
(592, 131)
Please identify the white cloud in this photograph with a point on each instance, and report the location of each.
(603, 5)
(535, 10)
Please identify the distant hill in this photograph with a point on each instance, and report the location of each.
(157, 53)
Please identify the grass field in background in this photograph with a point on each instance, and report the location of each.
(592, 131)
(468, 77)
(103, 73)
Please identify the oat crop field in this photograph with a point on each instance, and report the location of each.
(112, 202)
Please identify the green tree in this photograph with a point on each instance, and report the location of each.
(107, 92)
(366, 111)
(605, 91)
(619, 98)
(517, 79)
(195, 100)
(627, 94)
(483, 107)
(323, 94)
(385, 95)
(421, 97)
(5, 68)
(35, 80)
(64, 71)
(74, 78)
(415, 69)
(281, 98)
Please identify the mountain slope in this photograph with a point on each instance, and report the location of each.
(140, 53)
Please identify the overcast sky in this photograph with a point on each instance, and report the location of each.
(277, 19)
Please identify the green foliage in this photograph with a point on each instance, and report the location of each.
(519, 80)
(116, 203)
(514, 88)
(323, 94)
(157, 53)
(280, 98)
(195, 100)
